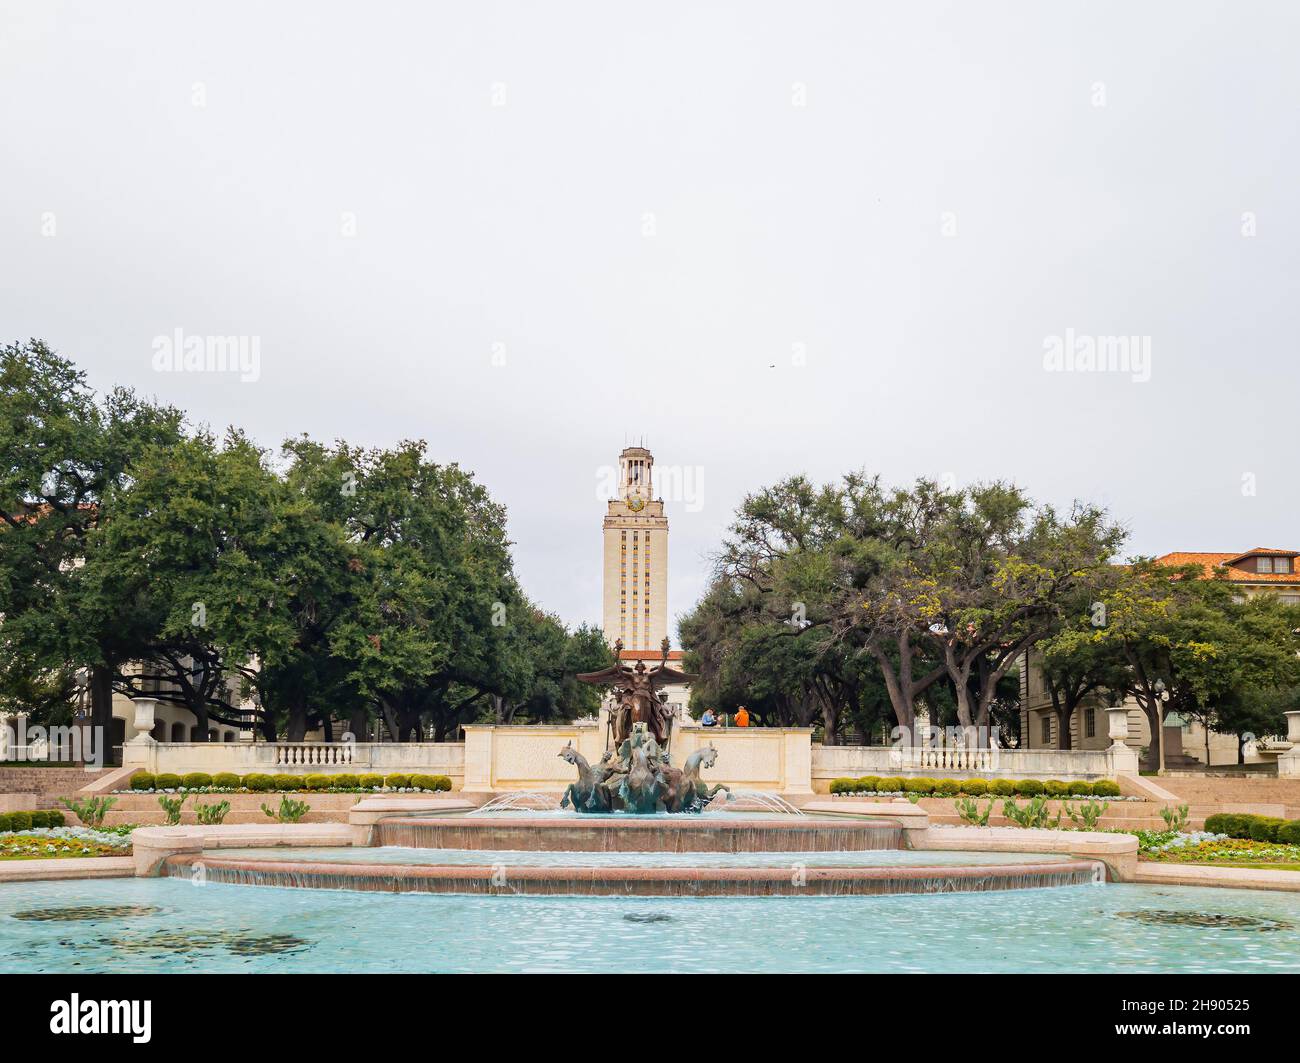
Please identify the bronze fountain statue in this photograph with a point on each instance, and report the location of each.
(636, 776)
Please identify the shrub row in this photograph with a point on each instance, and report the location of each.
(29, 820)
(262, 783)
(974, 787)
(1256, 828)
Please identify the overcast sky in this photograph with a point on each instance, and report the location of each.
(768, 237)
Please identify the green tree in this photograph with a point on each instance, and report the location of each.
(64, 453)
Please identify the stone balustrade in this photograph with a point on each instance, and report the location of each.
(298, 758)
(833, 762)
(514, 758)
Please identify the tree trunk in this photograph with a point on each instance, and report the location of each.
(101, 705)
(1154, 725)
(1063, 738)
(830, 723)
(358, 719)
(296, 726)
(201, 721)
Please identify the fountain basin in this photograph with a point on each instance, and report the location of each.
(669, 834)
(797, 880)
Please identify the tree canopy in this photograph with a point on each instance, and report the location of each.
(324, 582)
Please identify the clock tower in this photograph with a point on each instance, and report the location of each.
(636, 558)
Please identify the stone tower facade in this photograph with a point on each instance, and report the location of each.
(636, 557)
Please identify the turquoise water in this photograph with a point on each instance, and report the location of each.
(235, 928)
(396, 854)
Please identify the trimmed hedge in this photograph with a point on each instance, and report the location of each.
(1054, 789)
(40, 819)
(258, 782)
(1265, 828)
(1243, 825)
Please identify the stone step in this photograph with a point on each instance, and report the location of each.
(1106, 822)
(156, 816)
(47, 780)
(149, 802)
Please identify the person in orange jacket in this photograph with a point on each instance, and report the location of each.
(742, 717)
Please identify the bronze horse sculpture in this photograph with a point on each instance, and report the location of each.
(639, 779)
(691, 793)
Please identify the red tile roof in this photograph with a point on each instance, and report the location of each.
(1212, 561)
(649, 655)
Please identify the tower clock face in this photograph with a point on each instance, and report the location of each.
(635, 502)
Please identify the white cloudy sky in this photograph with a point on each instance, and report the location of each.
(650, 224)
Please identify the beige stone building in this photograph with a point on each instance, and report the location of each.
(1263, 570)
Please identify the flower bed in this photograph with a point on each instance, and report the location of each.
(54, 843)
(1207, 847)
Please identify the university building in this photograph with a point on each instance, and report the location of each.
(1263, 570)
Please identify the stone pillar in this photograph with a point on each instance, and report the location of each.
(1288, 764)
(797, 761)
(478, 758)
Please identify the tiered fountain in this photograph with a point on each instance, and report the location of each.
(634, 825)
